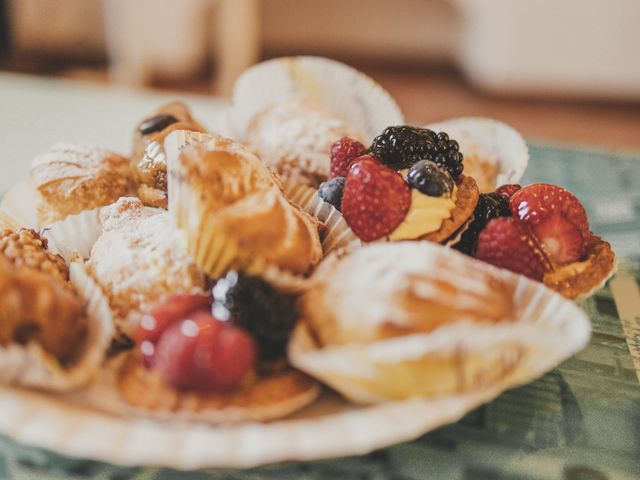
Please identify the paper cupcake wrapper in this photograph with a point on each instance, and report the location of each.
(456, 358)
(74, 236)
(490, 140)
(18, 208)
(336, 233)
(31, 366)
(347, 93)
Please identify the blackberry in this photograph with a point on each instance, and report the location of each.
(490, 205)
(429, 178)
(331, 191)
(401, 146)
(156, 124)
(253, 304)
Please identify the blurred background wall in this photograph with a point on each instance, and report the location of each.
(562, 48)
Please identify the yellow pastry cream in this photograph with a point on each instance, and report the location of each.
(425, 214)
(567, 271)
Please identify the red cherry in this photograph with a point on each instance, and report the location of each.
(154, 322)
(203, 353)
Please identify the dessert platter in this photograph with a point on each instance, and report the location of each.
(315, 279)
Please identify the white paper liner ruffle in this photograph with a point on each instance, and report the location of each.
(490, 140)
(349, 94)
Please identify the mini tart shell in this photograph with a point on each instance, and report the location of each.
(601, 265)
(266, 398)
(466, 201)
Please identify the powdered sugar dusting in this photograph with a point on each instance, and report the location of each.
(376, 285)
(295, 137)
(71, 161)
(140, 258)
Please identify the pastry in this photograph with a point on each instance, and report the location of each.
(37, 302)
(69, 179)
(544, 234)
(222, 362)
(295, 137)
(233, 212)
(138, 259)
(390, 290)
(408, 185)
(398, 319)
(149, 162)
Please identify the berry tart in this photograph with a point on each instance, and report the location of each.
(220, 359)
(541, 231)
(408, 185)
(69, 179)
(233, 212)
(149, 161)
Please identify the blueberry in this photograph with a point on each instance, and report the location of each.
(331, 191)
(156, 124)
(430, 179)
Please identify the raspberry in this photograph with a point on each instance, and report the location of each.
(508, 190)
(557, 220)
(506, 243)
(343, 152)
(375, 199)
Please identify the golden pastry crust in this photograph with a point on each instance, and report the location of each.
(149, 166)
(599, 265)
(259, 399)
(139, 259)
(69, 179)
(35, 306)
(235, 214)
(386, 290)
(466, 200)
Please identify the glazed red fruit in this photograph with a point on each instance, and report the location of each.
(205, 354)
(375, 199)
(343, 153)
(508, 190)
(154, 322)
(505, 243)
(556, 218)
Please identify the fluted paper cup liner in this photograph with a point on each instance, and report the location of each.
(18, 208)
(336, 232)
(349, 94)
(74, 236)
(460, 357)
(495, 153)
(29, 365)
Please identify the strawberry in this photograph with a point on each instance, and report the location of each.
(375, 199)
(203, 353)
(343, 153)
(557, 220)
(505, 243)
(508, 190)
